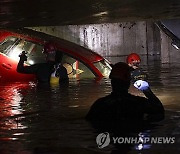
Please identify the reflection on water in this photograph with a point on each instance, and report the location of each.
(35, 119)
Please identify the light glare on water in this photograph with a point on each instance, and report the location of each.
(51, 119)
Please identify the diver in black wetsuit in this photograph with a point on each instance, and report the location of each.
(43, 71)
(133, 60)
(122, 108)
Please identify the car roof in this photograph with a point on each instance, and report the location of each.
(65, 46)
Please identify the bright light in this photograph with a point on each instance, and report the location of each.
(14, 54)
(140, 147)
(31, 62)
(175, 46)
(101, 14)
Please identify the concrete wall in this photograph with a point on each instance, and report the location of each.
(119, 39)
(153, 39)
(114, 39)
(168, 53)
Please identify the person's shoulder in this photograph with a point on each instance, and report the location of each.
(134, 98)
(108, 97)
(102, 100)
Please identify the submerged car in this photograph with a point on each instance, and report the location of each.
(80, 62)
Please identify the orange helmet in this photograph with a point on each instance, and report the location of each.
(133, 57)
(120, 71)
(49, 47)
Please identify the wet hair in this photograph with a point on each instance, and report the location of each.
(120, 71)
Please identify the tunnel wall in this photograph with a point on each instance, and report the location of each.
(111, 39)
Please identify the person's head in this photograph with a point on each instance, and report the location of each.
(133, 60)
(59, 56)
(50, 51)
(120, 77)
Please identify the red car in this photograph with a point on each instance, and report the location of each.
(79, 61)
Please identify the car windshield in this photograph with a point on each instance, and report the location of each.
(104, 67)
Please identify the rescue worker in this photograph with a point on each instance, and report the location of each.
(43, 71)
(122, 108)
(59, 72)
(134, 60)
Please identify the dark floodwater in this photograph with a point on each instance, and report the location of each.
(51, 119)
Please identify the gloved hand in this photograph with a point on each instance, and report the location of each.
(23, 56)
(141, 85)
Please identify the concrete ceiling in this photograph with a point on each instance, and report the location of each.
(28, 13)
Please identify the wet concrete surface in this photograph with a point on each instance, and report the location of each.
(35, 119)
(25, 13)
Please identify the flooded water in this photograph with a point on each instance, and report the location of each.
(46, 119)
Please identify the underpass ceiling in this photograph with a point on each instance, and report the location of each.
(29, 13)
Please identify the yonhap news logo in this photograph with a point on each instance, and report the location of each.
(103, 140)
